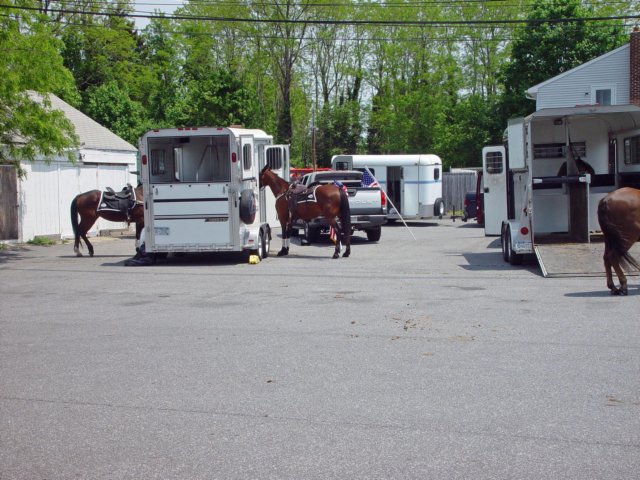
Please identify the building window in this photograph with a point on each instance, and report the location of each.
(632, 150)
(603, 94)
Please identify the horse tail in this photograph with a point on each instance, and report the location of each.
(345, 217)
(74, 216)
(613, 240)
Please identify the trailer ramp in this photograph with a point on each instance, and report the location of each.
(575, 259)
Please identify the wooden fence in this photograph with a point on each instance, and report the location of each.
(454, 186)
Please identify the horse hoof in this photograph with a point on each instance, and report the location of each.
(346, 254)
(336, 255)
(78, 254)
(615, 291)
(283, 252)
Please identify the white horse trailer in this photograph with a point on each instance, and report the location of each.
(412, 182)
(542, 188)
(201, 189)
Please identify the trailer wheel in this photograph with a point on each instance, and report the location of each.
(373, 234)
(265, 242)
(438, 208)
(503, 244)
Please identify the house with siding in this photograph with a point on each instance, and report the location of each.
(39, 204)
(610, 79)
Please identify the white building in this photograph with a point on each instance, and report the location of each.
(39, 204)
(609, 79)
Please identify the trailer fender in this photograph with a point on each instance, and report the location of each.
(248, 206)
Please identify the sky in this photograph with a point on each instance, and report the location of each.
(147, 7)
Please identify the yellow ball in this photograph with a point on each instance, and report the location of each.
(253, 259)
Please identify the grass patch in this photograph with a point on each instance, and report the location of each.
(41, 241)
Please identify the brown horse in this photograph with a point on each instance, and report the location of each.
(86, 205)
(331, 202)
(619, 218)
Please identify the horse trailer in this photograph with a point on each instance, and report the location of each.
(413, 183)
(201, 189)
(543, 185)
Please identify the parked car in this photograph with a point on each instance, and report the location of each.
(470, 206)
(474, 203)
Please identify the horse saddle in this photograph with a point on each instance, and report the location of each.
(121, 202)
(126, 193)
(298, 194)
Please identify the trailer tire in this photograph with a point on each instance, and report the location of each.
(248, 206)
(438, 208)
(266, 243)
(503, 242)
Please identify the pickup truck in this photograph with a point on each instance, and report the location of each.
(368, 205)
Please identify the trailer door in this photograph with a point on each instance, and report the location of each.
(277, 157)
(494, 168)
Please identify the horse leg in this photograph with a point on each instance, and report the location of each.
(622, 289)
(83, 228)
(607, 270)
(338, 229)
(285, 240)
(347, 244)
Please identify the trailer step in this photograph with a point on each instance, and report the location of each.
(574, 259)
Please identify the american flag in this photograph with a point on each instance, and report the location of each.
(368, 180)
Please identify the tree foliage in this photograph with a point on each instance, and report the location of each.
(378, 80)
(31, 67)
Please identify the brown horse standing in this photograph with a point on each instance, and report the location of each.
(619, 218)
(331, 203)
(86, 205)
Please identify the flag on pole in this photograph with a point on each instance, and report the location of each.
(368, 180)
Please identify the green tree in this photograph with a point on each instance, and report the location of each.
(31, 61)
(111, 106)
(556, 38)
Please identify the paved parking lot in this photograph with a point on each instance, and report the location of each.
(411, 359)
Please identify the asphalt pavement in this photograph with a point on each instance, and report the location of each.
(412, 359)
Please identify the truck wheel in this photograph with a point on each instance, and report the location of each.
(373, 234)
(260, 251)
(438, 208)
(310, 233)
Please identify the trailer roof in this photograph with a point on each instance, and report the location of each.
(617, 117)
(396, 160)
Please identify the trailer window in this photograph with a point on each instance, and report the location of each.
(274, 158)
(247, 157)
(558, 150)
(158, 166)
(436, 173)
(494, 162)
(632, 150)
